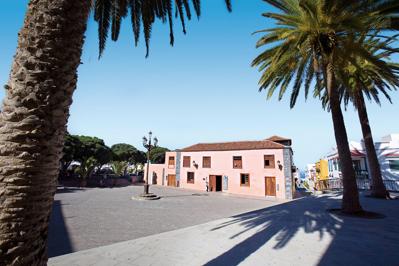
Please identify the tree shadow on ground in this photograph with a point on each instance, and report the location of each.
(185, 195)
(352, 237)
(59, 242)
(62, 189)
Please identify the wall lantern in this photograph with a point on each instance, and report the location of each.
(280, 166)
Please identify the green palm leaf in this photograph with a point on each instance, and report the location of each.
(110, 13)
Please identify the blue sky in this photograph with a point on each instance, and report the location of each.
(201, 90)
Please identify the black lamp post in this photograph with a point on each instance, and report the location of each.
(147, 143)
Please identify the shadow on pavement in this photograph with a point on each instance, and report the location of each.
(186, 195)
(59, 242)
(356, 241)
(61, 189)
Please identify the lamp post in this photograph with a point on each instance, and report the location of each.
(147, 143)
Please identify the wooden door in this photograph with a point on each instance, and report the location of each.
(270, 186)
(171, 180)
(212, 183)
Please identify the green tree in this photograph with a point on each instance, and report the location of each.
(93, 147)
(86, 167)
(81, 148)
(140, 157)
(308, 42)
(119, 167)
(36, 107)
(123, 152)
(157, 155)
(70, 151)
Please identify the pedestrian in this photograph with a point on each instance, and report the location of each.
(206, 184)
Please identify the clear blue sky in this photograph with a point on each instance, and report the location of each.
(201, 90)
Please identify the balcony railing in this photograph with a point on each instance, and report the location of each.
(364, 184)
(362, 174)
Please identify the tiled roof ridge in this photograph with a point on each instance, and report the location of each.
(235, 145)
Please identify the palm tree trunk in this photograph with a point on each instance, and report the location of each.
(33, 122)
(378, 188)
(350, 200)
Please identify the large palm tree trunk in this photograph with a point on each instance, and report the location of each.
(32, 124)
(350, 200)
(378, 188)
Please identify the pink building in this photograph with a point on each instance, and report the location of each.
(257, 168)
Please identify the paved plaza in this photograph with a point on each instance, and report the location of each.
(299, 232)
(93, 217)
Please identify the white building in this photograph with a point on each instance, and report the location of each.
(310, 172)
(358, 158)
(388, 156)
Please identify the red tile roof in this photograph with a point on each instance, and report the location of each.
(237, 145)
(277, 138)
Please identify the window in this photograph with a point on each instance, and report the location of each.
(244, 180)
(190, 177)
(237, 162)
(206, 162)
(171, 162)
(269, 161)
(186, 161)
(356, 165)
(394, 165)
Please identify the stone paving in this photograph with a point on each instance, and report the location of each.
(88, 218)
(299, 232)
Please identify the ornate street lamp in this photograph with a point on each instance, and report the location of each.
(148, 144)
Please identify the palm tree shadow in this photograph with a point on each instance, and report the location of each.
(59, 242)
(353, 240)
(281, 222)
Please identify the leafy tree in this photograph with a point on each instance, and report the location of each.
(93, 147)
(86, 167)
(81, 148)
(310, 40)
(119, 167)
(36, 107)
(123, 152)
(140, 157)
(157, 155)
(70, 151)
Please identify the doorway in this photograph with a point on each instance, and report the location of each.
(171, 180)
(215, 183)
(270, 186)
(154, 178)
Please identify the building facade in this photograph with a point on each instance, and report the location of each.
(388, 156)
(321, 168)
(359, 160)
(257, 168)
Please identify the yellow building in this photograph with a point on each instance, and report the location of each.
(322, 174)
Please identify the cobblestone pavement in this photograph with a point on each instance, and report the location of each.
(88, 218)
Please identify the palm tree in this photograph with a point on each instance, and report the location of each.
(119, 167)
(370, 77)
(86, 168)
(36, 108)
(307, 44)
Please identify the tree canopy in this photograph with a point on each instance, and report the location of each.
(83, 148)
(123, 152)
(157, 155)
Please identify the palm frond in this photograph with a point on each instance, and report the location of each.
(311, 32)
(110, 13)
(102, 14)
